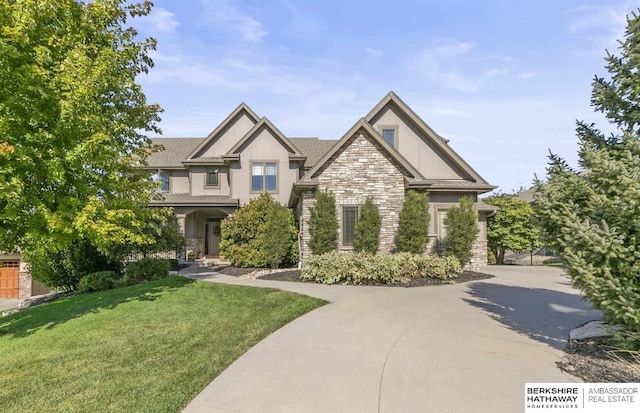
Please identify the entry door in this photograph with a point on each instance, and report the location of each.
(213, 238)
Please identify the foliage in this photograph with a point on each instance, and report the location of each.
(98, 281)
(162, 227)
(146, 269)
(590, 218)
(126, 349)
(65, 268)
(364, 268)
(461, 225)
(323, 224)
(279, 235)
(72, 123)
(413, 231)
(367, 236)
(512, 227)
(245, 234)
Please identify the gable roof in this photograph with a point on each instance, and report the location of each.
(312, 148)
(175, 150)
(438, 141)
(242, 107)
(363, 124)
(266, 123)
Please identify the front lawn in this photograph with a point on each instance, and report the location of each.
(146, 348)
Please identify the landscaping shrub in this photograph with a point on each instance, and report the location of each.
(146, 269)
(367, 228)
(246, 233)
(323, 224)
(462, 228)
(412, 235)
(278, 236)
(65, 268)
(98, 281)
(364, 268)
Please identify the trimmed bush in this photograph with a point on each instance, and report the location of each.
(323, 224)
(278, 235)
(368, 228)
(146, 269)
(413, 228)
(98, 281)
(364, 268)
(462, 228)
(246, 234)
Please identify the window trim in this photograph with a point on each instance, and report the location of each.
(264, 176)
(345, 243)
(206, 177)
(396, 135)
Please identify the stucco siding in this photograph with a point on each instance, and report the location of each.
(263, 147)
(179, 182)
(416, 149)
(198, 180)
(229, 136)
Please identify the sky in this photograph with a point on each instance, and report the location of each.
(503, 80)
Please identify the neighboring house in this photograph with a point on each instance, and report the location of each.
(15, 280)
(383, 155)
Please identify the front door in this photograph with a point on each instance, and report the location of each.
(212, 239)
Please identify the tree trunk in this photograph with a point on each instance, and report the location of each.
(500, 257)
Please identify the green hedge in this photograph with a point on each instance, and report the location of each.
(146, 269)
(364, 268)
(98, 281)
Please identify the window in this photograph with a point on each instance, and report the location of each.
(349, 218)
(264, 176)
(389, 135)
(442, 229)
(162, 177)
(212, 177)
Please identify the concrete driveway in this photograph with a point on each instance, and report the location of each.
(453, 348)
(8, 304)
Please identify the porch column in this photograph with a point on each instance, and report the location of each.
(182, 255)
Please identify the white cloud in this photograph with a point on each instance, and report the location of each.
(163, 19)
(448, 65)
(224, 12)
(603, 25)
(526, 75)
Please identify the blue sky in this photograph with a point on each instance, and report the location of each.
(503, 80)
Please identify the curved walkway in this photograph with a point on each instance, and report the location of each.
(452, 348)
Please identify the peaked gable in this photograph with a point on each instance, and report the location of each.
(262, 124)
(236, 124)
(363, 125)
(442, 153)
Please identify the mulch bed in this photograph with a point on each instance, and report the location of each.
(294, 276)
(593, 361)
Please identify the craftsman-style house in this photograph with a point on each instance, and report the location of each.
(384, 154)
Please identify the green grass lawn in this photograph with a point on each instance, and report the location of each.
(146, 348)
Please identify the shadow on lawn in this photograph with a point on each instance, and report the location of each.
(544, 315)
(51, 314)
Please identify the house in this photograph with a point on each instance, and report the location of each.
(384, 154)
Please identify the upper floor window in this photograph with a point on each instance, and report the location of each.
(264, 176)
(349, 218)
(389, 135)
(162, 176)
(212, 177)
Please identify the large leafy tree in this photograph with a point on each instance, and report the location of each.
(73, 123)
(591, 216)
(512, 227)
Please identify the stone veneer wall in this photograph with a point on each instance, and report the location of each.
(360, 169)
(196, 245)
(24, 284)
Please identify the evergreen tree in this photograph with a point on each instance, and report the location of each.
(413, 228)
(462, 228)
(277, 240)
(590, 216)
(323, 224)
(368, 228)
(512, 227)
